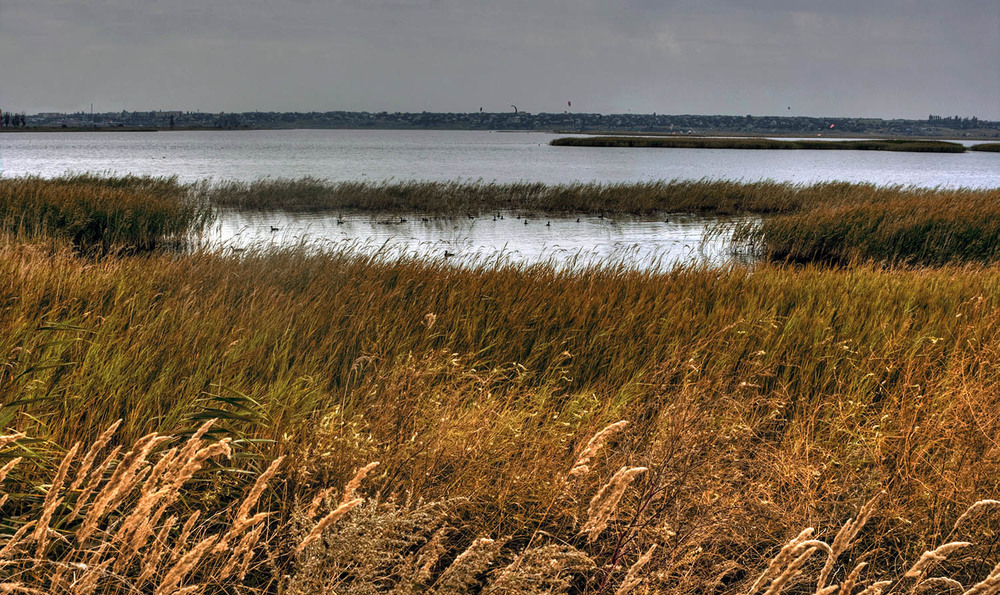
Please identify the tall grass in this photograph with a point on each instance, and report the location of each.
(687, 142)
(112, 523)
(761, 401)
(987, 147)
(101, 213)
(833, 221)
(930, 227)
(722, 197)
(474, 198)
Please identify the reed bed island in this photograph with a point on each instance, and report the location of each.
(300, 421)
(710, 142)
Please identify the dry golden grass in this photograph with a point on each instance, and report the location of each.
(758, 401)
(102, 213)
(372, 546)
(924, 227)
(127, 539)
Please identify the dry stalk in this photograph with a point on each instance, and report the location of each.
(119, 485)
(785, 555)
(6, 468)
(151, 560)
(87, 583)
(875, 588)
(594, 445)
(604, 504)
(52, 501)
(10, 439)
(317, 501)
(182, 539)
(930, 558)
(790, 572)
(95, 480)
(461, 573)
(940, 585)
(431, 553)
(185, 565)
(352, 486)
(632, 578)
(13, 587)
(843, 540)
(15, 540)
(976, 508)
(242, 554)
(852, 579)
(91, 456)
(988, 586)
(325, 522)
(243, 520)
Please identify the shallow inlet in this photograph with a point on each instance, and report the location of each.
(640, 243)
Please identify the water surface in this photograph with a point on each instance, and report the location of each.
(561, 241)
(468, 155)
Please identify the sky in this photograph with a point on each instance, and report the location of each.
(863, 58)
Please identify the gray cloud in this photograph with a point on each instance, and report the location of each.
(890, 58)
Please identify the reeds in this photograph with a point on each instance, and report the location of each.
(760, 400)
(374, 546)
(925, 227)
(706, 142)
(101, 213)
(119, 534)
(477, 197)
(721, 197)
(825, 222)
(789, 566)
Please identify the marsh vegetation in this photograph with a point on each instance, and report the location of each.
(708, 142)
(758, 401)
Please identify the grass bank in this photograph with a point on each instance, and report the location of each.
(686, 142)
(988, 147)
(760, 402)
(927, 227)
(101, 213)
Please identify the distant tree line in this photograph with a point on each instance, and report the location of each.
(954, 121)
(10, 120)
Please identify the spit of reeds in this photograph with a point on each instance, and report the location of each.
(708, 142)
(462, 198)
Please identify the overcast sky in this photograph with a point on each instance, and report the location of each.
(876, 58)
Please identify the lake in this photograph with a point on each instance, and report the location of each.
(512, 239)
(342, 155)
(469, 155)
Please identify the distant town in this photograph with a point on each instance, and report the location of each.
(933, 126)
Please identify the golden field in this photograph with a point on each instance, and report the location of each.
(759, 401)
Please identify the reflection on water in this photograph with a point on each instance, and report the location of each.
(505, 237)
(354, 155)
